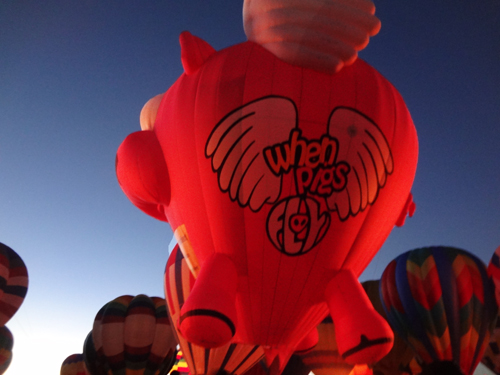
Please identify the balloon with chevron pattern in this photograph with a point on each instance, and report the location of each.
(441, 301)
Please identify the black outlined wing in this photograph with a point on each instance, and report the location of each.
(236, 147)
(364, 147)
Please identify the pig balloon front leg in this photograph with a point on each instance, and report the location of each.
(208, 317)
(362, 334)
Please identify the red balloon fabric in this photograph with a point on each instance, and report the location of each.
(13, 283)
(290, 178)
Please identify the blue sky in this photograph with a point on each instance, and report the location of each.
(74, 76)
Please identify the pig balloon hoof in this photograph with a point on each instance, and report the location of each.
(208, 318)
(363, 335)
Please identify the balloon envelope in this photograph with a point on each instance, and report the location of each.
(276, 180)
(131, 336)
(6, 344)
(324, 35)
(440, 300)
(74, 365)
(14, 283)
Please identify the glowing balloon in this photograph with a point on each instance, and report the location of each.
(74, 365)
(131, 336)
(321, 34)
(6, 344)
(14, 283)
(280, 183)
(440, 300)
(231, 358)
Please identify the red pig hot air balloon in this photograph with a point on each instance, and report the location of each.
(13, 283)
(441, 301)
(231, 358)
(280, 183)
(131, 336)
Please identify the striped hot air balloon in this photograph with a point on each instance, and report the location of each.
(131, 336)
(231, 358)
(441, 301)
(96, 364)
(13, 283)
(6, 344)
(74, 365)
(180, 364)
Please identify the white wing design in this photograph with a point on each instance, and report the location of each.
(364, 147)
(237, 143)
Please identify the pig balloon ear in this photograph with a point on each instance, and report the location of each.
(194, 52)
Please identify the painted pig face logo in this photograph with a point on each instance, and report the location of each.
(254, 146)
(295, 225)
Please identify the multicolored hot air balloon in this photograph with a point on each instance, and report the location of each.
(131, 336)
(280, 182)
(13, 283)
(180, 364)
(441, 301)
(6, 344)
(74, 365)
(231, 358)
